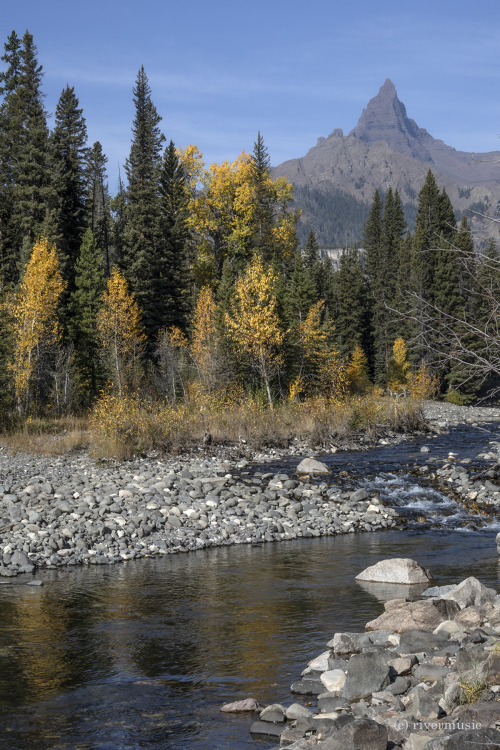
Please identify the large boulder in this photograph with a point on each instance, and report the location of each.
(471, 593)
(363, 734)
(469, 739)
(312, 466)
(395, 570)
(368, 673)
(422, 615)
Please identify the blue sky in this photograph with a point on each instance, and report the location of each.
(221, 71)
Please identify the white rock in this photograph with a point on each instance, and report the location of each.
(319, 664)
(311, 466)
(333, 680)
(395, 570)
(449, 626)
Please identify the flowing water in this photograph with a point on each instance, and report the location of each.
(141, 656)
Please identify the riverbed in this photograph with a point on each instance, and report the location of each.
(141, 655)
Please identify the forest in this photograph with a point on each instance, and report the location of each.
(187, 294)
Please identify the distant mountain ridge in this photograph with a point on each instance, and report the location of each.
(388, 149)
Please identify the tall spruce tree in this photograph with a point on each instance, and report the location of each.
(313, 264)
(97, 201)
(84, 305)
(351, 324)
(69, 156)
(372, 235)
(171, 272)
(10, 129)
(263, 219)
(142, 247)
(26, 166)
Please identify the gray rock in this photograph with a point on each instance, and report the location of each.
(266, 728)
(438, 591)
(274, 713)
(470, 592)
(358, 496)
(360, 734)
(424, 706)
(312, 466)
(423, 615)
(368, 673)
(395, 570)
(297, 711)
(247, 704)
(348, 643)
(469, 739)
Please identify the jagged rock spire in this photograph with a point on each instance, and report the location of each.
(385, 119)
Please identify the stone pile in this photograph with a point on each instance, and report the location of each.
(424, 676)
(68, 510)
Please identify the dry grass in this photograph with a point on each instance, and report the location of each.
(124, 427)
(121, 428)
(48, 437)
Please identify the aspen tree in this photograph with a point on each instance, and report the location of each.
(205, 340)
(254, 323)
(36, 330)
(121, 331)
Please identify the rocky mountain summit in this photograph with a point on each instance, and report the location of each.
(388, 149)
(385, 119)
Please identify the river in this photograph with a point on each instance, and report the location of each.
(141, 656)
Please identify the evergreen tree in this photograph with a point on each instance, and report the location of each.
(69, 155)
(426, 237)
(84, 306)
(10, 128)
(142, 246)
(372, 236)
(447, 221)
(300, 292)
(97, 202)
(171, 272)
(351, 314)
(263, 219)
(313, 264)
(27, 164)
(118, 209)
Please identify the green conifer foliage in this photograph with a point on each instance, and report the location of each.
(97, 201)
(261, 241)
(172, 280)
(69, 156)
(10, 128)
(351, 313)
(372, 236)
(26, 136)
(84, 305)
(141, 232)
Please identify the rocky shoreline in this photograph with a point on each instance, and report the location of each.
(424, 676)
(70, 510)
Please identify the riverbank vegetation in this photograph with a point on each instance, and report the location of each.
(183, 310)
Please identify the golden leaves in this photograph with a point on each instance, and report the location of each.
(33, 310)
(120, 328)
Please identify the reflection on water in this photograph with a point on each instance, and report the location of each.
(142, 656)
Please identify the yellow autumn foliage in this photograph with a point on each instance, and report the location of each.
(357, 371)
(254, 324)
(34, 313)
(121, 331)
(204, 343)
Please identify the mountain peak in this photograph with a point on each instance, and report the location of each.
(388, 88)
(385, 119)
